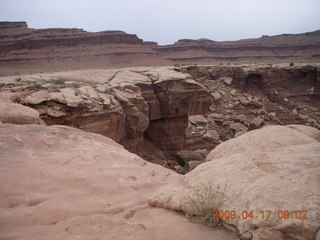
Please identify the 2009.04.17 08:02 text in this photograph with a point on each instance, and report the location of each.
(266, 214)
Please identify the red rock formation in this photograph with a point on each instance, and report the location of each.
(131, 107)
(284, 47)
(47, 49)
(22, 47)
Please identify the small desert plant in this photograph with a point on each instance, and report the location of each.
(10, 85)
(75, 85)
(35, 86)
(291, 64)
(54, 88)
(205, 199)
(58, 81)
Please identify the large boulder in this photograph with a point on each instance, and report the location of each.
(11, 112)
(276, 168)
(58, 182)
(18, 114)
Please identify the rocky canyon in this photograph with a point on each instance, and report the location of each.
(106, 136)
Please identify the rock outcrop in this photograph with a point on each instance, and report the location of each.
(157, 112)
(11, 112)
(130, 106)
(250, 96)
(275, 169)
(58, 182)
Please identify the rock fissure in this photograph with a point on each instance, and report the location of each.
(149, 110)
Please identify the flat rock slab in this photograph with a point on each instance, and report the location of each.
(62, 183)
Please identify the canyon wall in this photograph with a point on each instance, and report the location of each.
(41, 49)
(285, 47)
(157, 112)
(26, 49)
(134, 107)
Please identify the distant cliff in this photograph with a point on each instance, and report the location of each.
(284, 47)
(22, 47)
(43, 49)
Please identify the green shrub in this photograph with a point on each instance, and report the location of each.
(205, 199)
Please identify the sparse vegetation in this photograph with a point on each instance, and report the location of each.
(204, 200)
(34, 86)
(58, 81)
(10, 85)
(55, 88)
(291, 64)
(75, 85)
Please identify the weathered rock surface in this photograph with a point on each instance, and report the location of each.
(212, 135)
(197, 120)
(15, 113)
(149, 107)
(185, 156)
(130, 106)
(58, 182)
(18, 114)
(275, 168)
(254, 98)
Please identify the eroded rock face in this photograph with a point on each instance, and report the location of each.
(55, 48)
(129, 106)
(258, 95)
(204, 51)
(25, 48)
(275, 168)
(58, 182)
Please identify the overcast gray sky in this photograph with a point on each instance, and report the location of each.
(166, 21)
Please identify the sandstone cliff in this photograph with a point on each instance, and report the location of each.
(22, 48)
(39, 49)
(134, 107)
(286, 47)
(157, 112)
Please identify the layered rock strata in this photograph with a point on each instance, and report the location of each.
(26, 49)
(285, 47)
(247, 97)
(39, 49)
(156, 112)
(130, 106)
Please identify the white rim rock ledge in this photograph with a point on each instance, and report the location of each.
(275, 168)
(58, 182)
